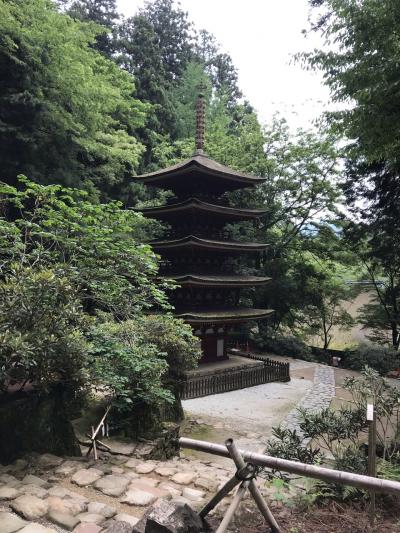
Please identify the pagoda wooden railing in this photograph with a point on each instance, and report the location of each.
(267, 371)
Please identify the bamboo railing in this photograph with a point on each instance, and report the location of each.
(246, 473)
(302, 469)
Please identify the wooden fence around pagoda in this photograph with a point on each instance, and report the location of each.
(267, 371)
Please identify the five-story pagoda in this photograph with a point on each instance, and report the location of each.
(196, 254)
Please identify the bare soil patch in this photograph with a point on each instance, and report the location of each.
(334, 518)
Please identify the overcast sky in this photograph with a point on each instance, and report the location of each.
(261, 36)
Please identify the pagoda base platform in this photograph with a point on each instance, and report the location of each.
(207, 358)
(231, 362)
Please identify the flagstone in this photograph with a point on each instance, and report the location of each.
(8, 493)
(36, 528)
(29, 506)
(10, 522)
(129, 519)
(93, 518)
(30, 479)
(64, 520)
(183, 478)
(101, 508)
(145, 468)
(112, 485)
(85, 477)
(140, 498)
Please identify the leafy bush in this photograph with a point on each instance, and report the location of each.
(41, 331)
(289, 346)
(174, 340)
(341, 432)
(289, 444)
(48, 226)
(137, 363)
(75, 283)
(125, 366)
(381, 359)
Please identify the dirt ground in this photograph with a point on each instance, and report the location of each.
(335, 518)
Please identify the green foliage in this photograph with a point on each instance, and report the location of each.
(173, 338)
(102, 12)
(46, 226)
(42, 328)
(68, 114)
(289, 346)
(381, 314)
(288, 444)
(126, 365)
(363, 66)
(138, 363)
(218, 66)
(334, 429)
(380, 358)
(386, 399)
(341, 433)
(324, 304)
(74, 287)
(360, 63)
(183, 98)
(389, 470)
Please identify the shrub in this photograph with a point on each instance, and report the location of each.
(381, 359)
(137, 364)
(43, 358)
(279, 344)
(174, 339)
(339, 434)
(41, 331)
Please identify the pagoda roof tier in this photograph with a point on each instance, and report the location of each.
(201, 173)
(205, 280)
(196, 207)
(233, 314)
(196, 243)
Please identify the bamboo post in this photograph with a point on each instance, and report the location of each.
(233, 507)
(371, 418)
(226, 489)
(262, 506)
(93, 436)
(94, 444)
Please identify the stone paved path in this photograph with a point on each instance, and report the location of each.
(317, 398)
(49, 494)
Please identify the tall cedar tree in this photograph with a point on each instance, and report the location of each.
(362, 69)
(102, 12)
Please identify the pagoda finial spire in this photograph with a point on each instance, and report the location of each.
(200, 119)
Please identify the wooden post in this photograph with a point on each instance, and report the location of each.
(226, 489)
(240, 494)
(371, 419)
(262, 506)
(94, 444)
(93, 436)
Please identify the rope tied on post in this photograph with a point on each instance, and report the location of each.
(247, 473)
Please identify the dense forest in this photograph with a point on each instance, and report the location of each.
(89, 99)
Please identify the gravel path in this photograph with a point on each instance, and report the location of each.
(246, 415)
